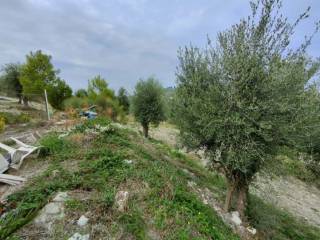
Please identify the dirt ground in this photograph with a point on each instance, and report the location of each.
(298, 198)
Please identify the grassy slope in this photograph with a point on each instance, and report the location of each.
(159, 198)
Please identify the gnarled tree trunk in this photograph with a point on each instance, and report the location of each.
(243, 190)
(228, 200)
(145, 127)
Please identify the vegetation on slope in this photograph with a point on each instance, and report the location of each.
(157, 181)
(159, 197)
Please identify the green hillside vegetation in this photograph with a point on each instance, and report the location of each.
(157, 180)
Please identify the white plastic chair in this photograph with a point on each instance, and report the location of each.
(18, 155)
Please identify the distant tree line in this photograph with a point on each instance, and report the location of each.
(28, 81)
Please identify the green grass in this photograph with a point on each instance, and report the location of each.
(159, 201)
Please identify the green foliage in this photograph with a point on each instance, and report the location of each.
(10, 118)
(58, 92)
(160, 199)
(147, 102)
(134, 224)
(52, 145)
(31, 199)
(37, 74)
(123, 99)
(108, 197)
(244, 96)
(2, 124)
(75, 103)
(92, 124)
(10, 80)
(98, 86)
(81, 93)
(308, 133)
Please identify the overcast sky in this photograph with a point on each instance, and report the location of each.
(123, 40)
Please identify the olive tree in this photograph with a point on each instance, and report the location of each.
(123, 99)
(10, 80)
(244, 96)
(148, 104)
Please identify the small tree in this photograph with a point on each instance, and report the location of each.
(10, 80)
(37, 74)
(81, 93)
(58, 92)
(147, 103)
(123, 99)
(245, 96)
(98, 86)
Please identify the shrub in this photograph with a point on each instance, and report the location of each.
(2, 124)
(75, 103)
(53, 145)
(10, 118)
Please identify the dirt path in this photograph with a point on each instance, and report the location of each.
(296, 197)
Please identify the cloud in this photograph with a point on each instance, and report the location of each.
(121, 40)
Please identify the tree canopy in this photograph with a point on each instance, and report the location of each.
(58, 92)
(148, 103)
(244, 96)
(123, 99)
(10, 80)
(37, 74)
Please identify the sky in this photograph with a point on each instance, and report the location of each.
(125, 40)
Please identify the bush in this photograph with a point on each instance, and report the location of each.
(53, 145)
(2, 124)
(75, 103)
(10, 118)
(91, 124)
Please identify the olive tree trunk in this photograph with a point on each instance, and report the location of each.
(228, 200)
(243, 191)
(238, 190)
(145, 130)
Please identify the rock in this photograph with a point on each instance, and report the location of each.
(128, 161)
(235, 218)
(52, 211)
(60, 197)
(78, 236)
(252, 230)
(82, 221)
(121, 200)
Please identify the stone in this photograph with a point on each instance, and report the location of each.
(128, 161)
(82, 221)
(60, 197)
(235, 218)
(52, 211)
(121, 200)
(78, 236)
(252, 230)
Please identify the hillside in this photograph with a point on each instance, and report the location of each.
(127, 187)
(20, 119)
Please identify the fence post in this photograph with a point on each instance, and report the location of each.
(47, 106)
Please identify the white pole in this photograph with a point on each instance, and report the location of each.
(47, 106)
